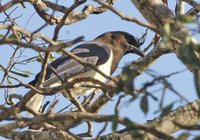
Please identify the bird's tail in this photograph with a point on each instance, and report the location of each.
(35, 103)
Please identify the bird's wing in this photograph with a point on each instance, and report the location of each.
(93, 53)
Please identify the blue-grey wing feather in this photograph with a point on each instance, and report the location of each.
(69, 69)
(92, 53)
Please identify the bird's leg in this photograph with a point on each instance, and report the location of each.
(90, 128)
(75, 101)
(88, 99)
(89, 132)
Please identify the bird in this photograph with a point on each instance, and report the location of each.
(104, 52)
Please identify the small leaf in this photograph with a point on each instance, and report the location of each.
(39, 59)
(144, 104)
(187, 41)
(59, 52)
(126, 81)
(137, 135)
(1, 35)
(185, 19)
(2, 69)
(17, 35)
(167, 28)
(51, 57)
(19, 74)
(12, 36)
(27, 72)
(197, 84)
(114, 123)
(166, 109)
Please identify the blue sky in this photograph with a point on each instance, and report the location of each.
(92, 27)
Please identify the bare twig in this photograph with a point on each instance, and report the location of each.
(125, 17)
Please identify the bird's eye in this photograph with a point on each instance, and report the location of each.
(128, 40)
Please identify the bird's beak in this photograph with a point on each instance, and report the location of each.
(136, 50)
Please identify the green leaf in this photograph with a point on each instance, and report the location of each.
(12, 36)
(59, 52)
(144, 105)
(125, 83)
(2, 68)
(167, 28)
(185, 19)
(27, 72)
(51, 57)
(137, 135)
(39, 59)
(197, 84)
(17, 35)
(114, 123)
(166, 109)
(1, 35)
(19, 74)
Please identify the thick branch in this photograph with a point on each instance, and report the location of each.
(59, 117)
(157, 13)
(187, 115)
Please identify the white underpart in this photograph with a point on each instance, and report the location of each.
(80, 88)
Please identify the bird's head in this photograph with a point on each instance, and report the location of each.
(127, 42)
(132, 44)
